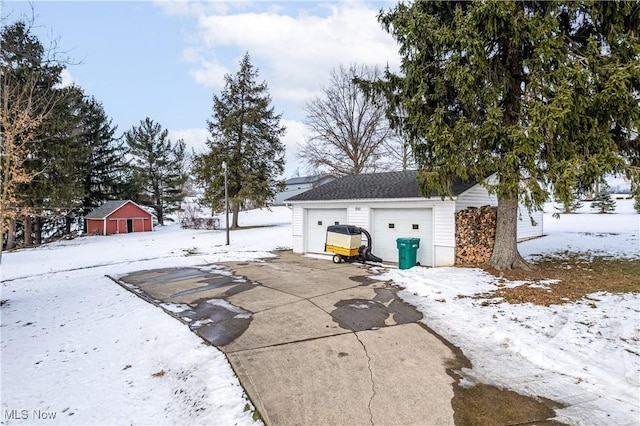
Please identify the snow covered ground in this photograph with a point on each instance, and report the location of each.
(584, 354)
(79, 347)
(76, 345)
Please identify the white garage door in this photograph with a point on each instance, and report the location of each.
(390, 224)
(317, 222)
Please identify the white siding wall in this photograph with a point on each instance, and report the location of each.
(444, 223)
(297, 228)
(297, 220)
(359, 215)
(444, 238)
(444, 256)
(525, 229)
(475, 197)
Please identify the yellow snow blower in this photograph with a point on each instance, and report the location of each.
(345, 241)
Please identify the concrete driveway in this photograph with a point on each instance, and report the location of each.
(313, 342)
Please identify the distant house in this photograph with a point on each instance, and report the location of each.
(118, 217)
(298, 185)
(390, 205)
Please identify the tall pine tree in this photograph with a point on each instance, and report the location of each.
(158, 167)
(104, 166)
(56, 192)
(245, 134)
(541, 93)
(39, 179)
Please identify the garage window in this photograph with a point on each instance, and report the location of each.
(392, 226)
(415, 226)
(319, 223)
(336, 223)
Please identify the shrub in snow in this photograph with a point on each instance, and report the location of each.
(603, 201)
(570, 206)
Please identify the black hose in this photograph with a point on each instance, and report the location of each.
(366, 252)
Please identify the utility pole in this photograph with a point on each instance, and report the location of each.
(226, 199)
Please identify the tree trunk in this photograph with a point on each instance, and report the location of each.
(160, 215)
(28, 231)
(235, 207)
(38, 230)
(159, 209)
(11, 234)
(505, 251)
(68, 220)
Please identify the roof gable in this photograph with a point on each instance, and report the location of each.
(107, 208)
(387, 185)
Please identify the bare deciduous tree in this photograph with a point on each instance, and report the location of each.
(399, 153)
(349, 130)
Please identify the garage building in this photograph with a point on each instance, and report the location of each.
(389, 206)
(118, 217)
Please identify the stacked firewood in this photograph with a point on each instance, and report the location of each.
(475, 234)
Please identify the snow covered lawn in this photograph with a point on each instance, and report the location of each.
(79, 346)
(79, 349)
(584, 354)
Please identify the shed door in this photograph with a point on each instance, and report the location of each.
(316, 227)
(390, 224)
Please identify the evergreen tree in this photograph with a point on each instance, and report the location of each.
(245, 135)
(56, 192)
(159, 167)
(603, 202)
(37, 118)
(545, 94)
(104, 166)
(568, 206)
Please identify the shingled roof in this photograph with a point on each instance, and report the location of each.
(388, 185)
(106, 209)
(299, 180)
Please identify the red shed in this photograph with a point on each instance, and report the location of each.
(119, 217)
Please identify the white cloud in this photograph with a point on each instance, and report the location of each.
(195, 139)
(66, 79)
(295, 45)
(210, 74)
(295, 135)
(188, 7)
(294, 49)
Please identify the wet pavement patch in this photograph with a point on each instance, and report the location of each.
(212, 318)
(217, 321)
(364, 280)
(161, 276)
(385, 309)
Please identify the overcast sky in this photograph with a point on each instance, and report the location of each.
(166, 59)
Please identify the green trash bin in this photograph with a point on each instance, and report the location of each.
(407, 252)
